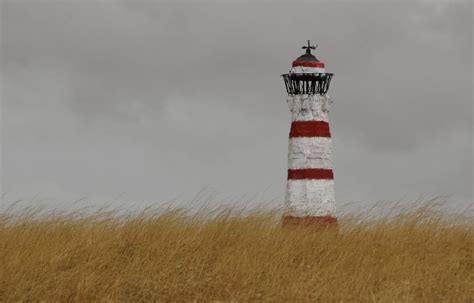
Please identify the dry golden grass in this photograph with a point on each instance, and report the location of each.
(174, 257)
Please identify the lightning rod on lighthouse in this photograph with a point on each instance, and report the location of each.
(310, 196)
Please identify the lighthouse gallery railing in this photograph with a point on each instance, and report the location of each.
(307, 83)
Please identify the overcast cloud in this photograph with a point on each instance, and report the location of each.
(157, 100)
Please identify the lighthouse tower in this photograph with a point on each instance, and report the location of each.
(310, 189)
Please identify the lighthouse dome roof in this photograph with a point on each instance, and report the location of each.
(307, 63)
(308, 57)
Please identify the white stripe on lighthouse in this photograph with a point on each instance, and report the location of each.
(307, 70)
(309, 107)
(310, 198)
(309, 152)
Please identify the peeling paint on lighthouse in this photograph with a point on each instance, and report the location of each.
(310, 195)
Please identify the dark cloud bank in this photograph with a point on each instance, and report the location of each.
(158, 100)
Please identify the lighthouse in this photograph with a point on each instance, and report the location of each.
(310, 196)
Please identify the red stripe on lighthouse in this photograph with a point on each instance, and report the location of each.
(308, 64)
(310, 173)
(309, 129)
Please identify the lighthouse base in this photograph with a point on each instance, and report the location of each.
(317, 222)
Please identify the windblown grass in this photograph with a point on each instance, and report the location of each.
(229, 256)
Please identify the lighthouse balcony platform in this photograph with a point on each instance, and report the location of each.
(307, 83)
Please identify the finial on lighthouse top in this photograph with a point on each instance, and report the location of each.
(309, 47)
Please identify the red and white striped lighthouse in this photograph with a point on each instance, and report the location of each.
(310, 196)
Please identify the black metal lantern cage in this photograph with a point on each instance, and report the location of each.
(307, 83)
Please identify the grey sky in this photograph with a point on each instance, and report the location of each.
(157, 100)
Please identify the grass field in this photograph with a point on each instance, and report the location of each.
(418, 256)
